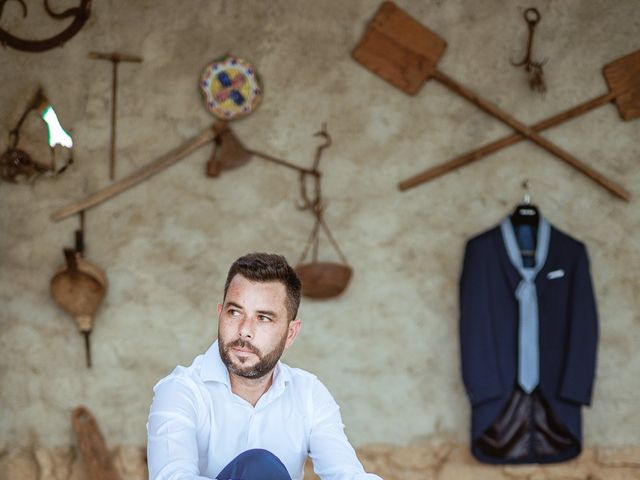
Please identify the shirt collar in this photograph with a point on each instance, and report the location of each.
(513, 251)
(214, 370)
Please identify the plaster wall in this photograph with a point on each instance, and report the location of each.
(388, 347)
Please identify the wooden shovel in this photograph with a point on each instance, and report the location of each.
(404, 52)
(78, 288)
(623, 78)
(92, 445)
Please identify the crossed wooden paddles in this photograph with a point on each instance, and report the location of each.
(405, 53)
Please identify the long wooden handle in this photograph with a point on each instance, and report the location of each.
(503, 142)
(528, 132)
(203, 138)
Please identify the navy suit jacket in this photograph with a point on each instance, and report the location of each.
(568, 328)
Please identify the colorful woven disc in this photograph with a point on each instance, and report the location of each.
(231, 87)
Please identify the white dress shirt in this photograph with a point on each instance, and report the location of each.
(197, 425)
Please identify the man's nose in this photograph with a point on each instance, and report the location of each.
(246, 328)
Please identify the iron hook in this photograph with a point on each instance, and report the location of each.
(532, 20)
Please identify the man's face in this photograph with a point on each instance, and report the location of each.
(254, 327)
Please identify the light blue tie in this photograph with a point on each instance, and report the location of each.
(528, 355)
(528, 336)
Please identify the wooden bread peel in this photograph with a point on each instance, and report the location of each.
(405, 53)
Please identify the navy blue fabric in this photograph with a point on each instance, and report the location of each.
(525, 235)
(489, 330)
(255, 464)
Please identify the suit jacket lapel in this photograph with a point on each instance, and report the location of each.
(541, 279)
(510, 272)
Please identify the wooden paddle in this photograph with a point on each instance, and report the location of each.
(404, 52)
(92, 445)
(623, 78)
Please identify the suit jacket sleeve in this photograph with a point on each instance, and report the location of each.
(480, 372)
(580, 360)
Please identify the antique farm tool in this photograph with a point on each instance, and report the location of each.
(623, 78)
(230, 101)
(203, 138)
(16, 164)
(115, 58)
(319, 279)
(92, 445)
(80, 15)
(404, 52)
(78, 288)
(533, 68)
(232, 88)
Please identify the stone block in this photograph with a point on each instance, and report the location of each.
(130, 462)
(521, 471)
(419, 457)
(54, 463)
(19, 465)
(619, 457)
(455, 471)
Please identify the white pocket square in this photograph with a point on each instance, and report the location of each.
(555, 274)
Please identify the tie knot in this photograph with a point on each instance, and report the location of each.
(526, 287)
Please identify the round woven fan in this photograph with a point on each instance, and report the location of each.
(231, 87)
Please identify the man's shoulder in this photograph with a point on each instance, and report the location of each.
(187, 375)
(300, 379)
(303, 381)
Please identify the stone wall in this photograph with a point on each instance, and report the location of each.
(388, 347)
(439, 459)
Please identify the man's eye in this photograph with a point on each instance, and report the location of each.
(234, 313)
(264, 318)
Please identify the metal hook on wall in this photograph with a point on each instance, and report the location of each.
(526, 199)
(80, 15)
(316, 203)
(536, 74)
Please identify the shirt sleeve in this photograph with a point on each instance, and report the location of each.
(172, 448)
(333, 456)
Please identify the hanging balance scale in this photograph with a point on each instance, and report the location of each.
(320, 279)
(232, 89)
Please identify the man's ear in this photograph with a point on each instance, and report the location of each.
(292, 332)
(219, 309)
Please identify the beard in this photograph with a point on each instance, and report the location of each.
(266, 362)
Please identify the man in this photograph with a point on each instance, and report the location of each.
(238, 412)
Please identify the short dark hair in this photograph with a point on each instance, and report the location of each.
(268, 267)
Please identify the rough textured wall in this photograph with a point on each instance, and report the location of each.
(388, 347)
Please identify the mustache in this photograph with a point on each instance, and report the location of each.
(243, 344)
